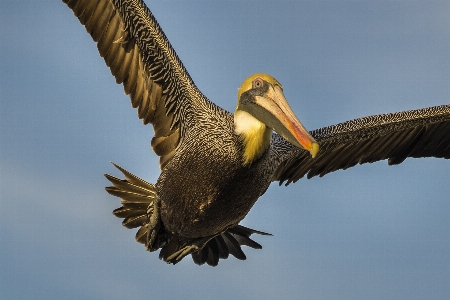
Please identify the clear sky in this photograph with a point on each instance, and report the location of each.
(370, 232)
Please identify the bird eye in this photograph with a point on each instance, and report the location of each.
(257, 83)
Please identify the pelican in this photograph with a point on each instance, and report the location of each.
(215, 164)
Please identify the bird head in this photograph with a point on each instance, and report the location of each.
(261, 100)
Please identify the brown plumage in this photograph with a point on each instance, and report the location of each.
(208, 181)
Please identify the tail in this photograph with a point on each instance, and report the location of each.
(228, 242)
(140, 209)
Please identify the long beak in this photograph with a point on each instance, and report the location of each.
(279, 116)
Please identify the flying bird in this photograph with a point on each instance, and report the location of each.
(215, 164)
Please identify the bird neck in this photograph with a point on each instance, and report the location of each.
(255, 135)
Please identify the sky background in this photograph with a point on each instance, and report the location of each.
(370, 232)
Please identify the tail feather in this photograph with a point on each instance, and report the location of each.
(135, 221)
(128, 211)
(141, 234)
(233, 246)
(135, 187)
(136, 180)
(223, 249)
(245, 231)
(228, 242)
(170, 248)
(130, 197)
(213, 253)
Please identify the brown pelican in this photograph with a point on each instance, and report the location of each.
(214, 164)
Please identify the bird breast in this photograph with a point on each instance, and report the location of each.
(206, 188)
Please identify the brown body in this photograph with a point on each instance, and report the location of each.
(206, 192)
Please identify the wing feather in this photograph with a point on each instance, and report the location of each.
(396, 136)
(139, 55)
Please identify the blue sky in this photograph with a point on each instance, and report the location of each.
(370, 232)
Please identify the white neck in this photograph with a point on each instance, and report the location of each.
(256, 135)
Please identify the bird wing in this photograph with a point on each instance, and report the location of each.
(395, 136)
(140, 57)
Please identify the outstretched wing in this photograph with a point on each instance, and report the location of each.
(139, 55)
(395, 136)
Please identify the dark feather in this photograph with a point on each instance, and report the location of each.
(233, 246)
(213, 253)
(140, 56)
(396, 136)
(223, 248)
